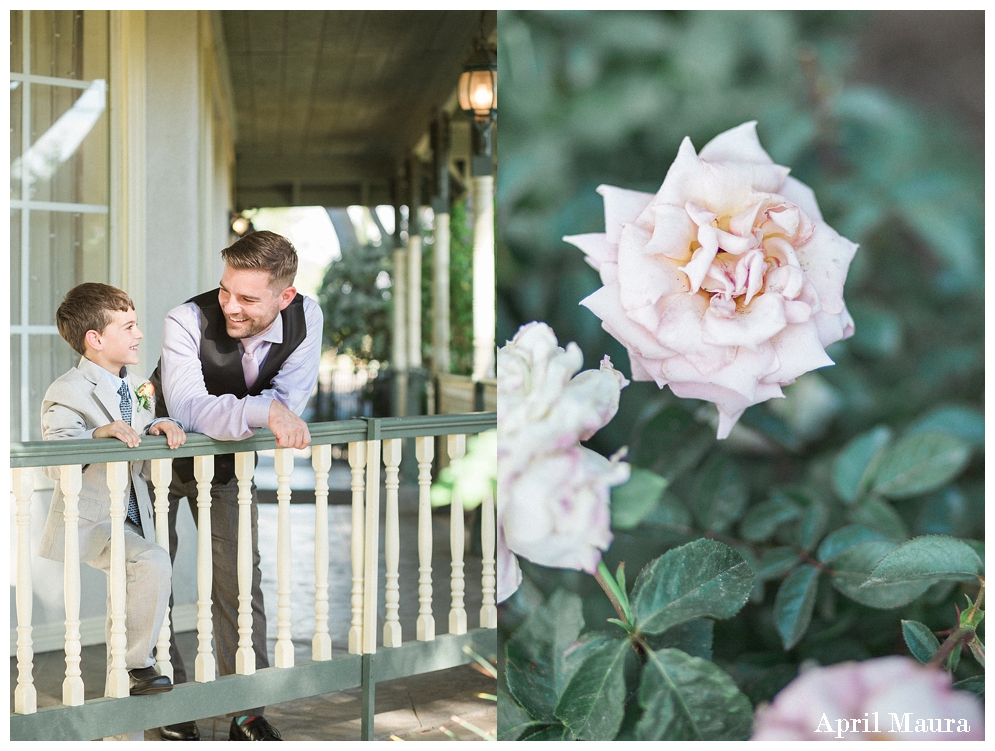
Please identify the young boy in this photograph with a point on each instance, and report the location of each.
(99, 398)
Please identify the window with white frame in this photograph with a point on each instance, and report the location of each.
(59, 190)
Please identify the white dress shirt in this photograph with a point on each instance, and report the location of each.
(226, 417)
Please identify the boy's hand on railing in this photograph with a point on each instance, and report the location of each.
(121, 430)
(175, 437)
(290, 430)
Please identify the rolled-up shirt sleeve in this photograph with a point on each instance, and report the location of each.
(226, 417)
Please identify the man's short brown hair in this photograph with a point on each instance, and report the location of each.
(267, 251)
(87, 307)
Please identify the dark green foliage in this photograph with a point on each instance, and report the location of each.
(356, 308)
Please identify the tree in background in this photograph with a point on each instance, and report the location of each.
(355, 296)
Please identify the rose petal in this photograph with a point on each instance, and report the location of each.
(644, 279)
(825, 259)
(509, 574)
(597, 249)
(749, 327)
(799, 350)
(621, 207)
(739, 144)
(604, 303)
(802, 196)
(673, 232)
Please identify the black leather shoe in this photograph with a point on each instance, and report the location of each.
(147, 681)
(253, 730)
(182, 731)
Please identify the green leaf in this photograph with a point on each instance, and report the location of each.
(852, 568)
(670, 514)
(920, 462)
(544, 732)
(930, 558)
(535, 670)
(694, 637)
(762, 520)
(850, 467)
(671, 442)
(794, 603)
(878, 514)
(636, 498)
(813, 525)
(961, 422)
(777, 562)
(513, 721)
(845, 537)
(686, 698)
(975, 684)
(702, 578)
(920, 640)
(593, 704)
(719, 494)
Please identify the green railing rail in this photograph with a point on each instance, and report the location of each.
(104, 717)
(93, 451)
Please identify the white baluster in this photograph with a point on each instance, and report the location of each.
(456, 445)
(425, 452)
(162, 473)
(245, 658)
(321, 644)
(71, 481)
(25, 695)
(488, 580)
(392, 543)
(283, 462)
(203, 470)
(117, 483)
(357, 462)
(371, 547)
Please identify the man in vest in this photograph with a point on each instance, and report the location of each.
(236, 359)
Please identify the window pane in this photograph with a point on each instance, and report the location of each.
(16, 48)
(50, 358)
(15, 267)
(67, 159)
(16, 101)
(15, 387)
(51, 262)
(56, 43)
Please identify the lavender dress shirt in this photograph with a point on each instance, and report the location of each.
(226, 417)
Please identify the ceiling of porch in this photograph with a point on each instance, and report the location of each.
(329, 104)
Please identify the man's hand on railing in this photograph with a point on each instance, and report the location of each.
(175, 437)
(121, 430)
(290, 430)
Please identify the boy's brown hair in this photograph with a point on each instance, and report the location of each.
(86, 308)
(267, 251)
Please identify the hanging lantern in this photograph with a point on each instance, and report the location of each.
(477, 88)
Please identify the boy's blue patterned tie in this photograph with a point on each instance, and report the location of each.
(133, 516)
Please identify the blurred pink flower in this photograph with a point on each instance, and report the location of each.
(553, 494)
(888, 698)
(727, 284)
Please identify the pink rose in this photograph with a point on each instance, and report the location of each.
(553, 494)
(888, 698)
(727, 284)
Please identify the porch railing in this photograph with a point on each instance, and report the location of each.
(374, 446)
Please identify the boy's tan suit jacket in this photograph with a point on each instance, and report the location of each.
(81, 400)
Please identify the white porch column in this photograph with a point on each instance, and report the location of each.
(441, 362)
(399, 350)
(414, 263)
(484, 316)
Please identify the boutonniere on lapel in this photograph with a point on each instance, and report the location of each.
(145, 394)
